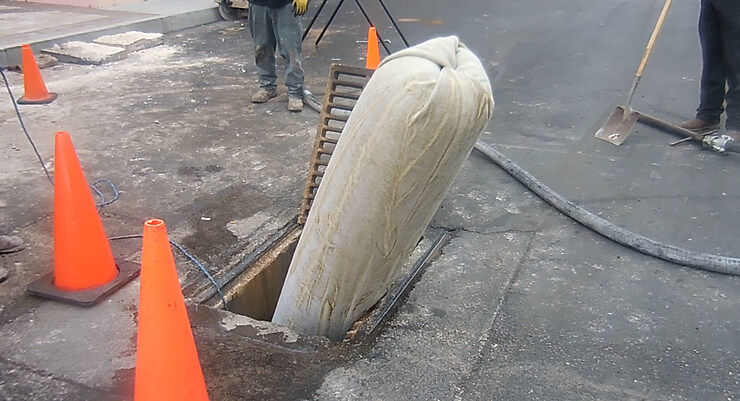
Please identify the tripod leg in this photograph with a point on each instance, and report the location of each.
(313, 20)
(367, 17)
(333, 14)
(393, 21)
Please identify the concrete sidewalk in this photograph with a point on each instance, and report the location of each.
(43, 25)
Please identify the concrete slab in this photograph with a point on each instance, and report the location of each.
(31, 23)
(437, 333)
(25, 22)
(163, 7)
(56, 336)
(86, 53)
(131, 41)
(45, 25)
(19, 383)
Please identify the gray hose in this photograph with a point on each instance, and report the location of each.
(733, 146)
(697, 260)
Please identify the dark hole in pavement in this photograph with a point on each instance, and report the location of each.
(255, 292)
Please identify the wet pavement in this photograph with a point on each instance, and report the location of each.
(523, 304)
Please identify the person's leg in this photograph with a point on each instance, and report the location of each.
(288, 29)
(729, 16)
(261, 28)
(713, 76)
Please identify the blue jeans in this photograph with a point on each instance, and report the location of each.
(279, 28)
(719, 33)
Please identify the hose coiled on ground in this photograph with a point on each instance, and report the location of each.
(697, 260)
(647, 246)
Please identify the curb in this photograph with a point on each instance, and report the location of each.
(156, 24)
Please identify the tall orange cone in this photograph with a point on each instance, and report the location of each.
(84, 269)
(167, 365)
(35, 88)
(82, 256)
(373, 52)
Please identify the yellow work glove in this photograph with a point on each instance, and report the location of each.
(300, 6)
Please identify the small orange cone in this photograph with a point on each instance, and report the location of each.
(84, 269)
(167, 365)
(373, 53)
(35, 89)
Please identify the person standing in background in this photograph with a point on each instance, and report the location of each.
(719, 34)
(277, 24)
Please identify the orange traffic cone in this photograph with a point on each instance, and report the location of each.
(167, 365)
(373, 53)
(82, 256)
(35, 89)
(84, 269)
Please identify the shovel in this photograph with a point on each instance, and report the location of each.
(620, 123)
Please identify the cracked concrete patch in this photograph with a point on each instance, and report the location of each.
(233, 321)
(86, 53)
(242, 228)
(132, 41)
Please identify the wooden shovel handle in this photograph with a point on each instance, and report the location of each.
(653, 37)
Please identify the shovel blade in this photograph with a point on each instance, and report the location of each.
(618, 127)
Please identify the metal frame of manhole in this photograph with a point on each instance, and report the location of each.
(343, 88)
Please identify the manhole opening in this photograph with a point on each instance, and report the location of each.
(254, 287)
(255, 292)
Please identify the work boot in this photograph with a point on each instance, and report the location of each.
(10, 244)
(263, 95)
(295, 104)
(699, 126)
